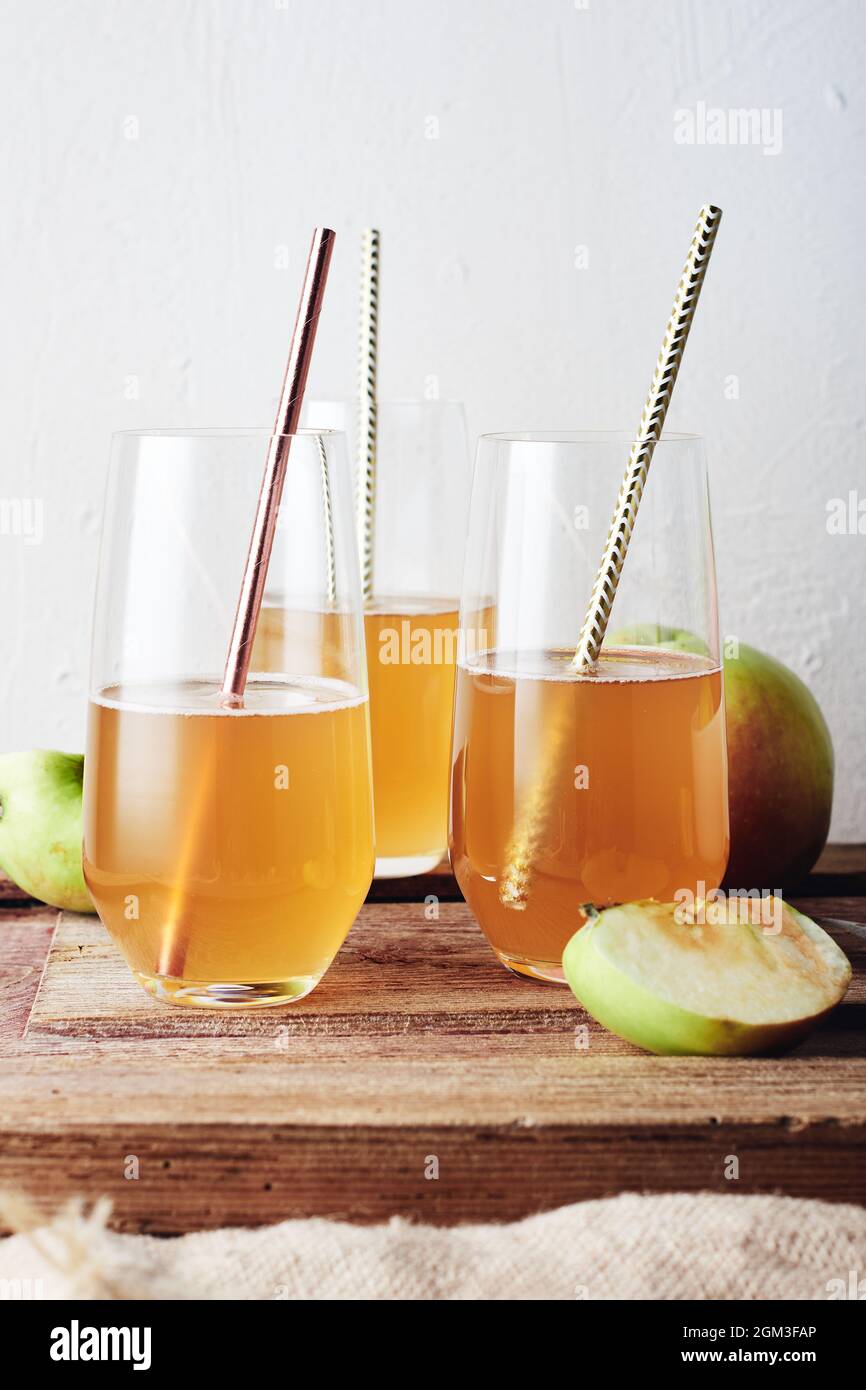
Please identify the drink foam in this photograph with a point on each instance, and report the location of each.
(626, 665)
(264, 696)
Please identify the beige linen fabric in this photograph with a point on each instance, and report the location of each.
(634, 1247)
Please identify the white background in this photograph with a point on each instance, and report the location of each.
(162, 163)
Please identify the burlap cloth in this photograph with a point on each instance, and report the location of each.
(634, 1247)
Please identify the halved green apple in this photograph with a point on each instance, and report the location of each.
(718, 980)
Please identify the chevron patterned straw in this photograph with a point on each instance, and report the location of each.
(516, 880)
(368, 424)
(328, 518)
(651, 424)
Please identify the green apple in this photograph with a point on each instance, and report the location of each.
(670, 639)
(678, 982)
(780, 773)
(40, 826)
(780, 762)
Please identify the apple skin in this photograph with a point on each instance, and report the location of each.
(630, 1011)
(40, 826)
(627, 1008)
(675, 639)
(780, 773)
(780, 763)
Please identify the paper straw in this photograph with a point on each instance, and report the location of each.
(368, 422)
(328, 518)
(174, 942)
(516, 880)
(651, 424)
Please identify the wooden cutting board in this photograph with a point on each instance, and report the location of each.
(420, 1079)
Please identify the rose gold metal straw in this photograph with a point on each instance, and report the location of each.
(173, 947)
(288, 416)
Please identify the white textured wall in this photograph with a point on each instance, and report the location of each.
(155, 258)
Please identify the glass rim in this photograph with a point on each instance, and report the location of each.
(384, 400)
(223, 432)
(585, 437)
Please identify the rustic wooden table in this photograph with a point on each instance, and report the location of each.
(419, 1079)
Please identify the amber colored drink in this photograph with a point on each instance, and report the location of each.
(228, 851)
(411, 658)
(573, 789)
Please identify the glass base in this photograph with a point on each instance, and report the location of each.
(407, 866)
(211, 994)
(549, 972)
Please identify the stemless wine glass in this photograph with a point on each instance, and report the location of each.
(572, 789)
(227, 850)
(423, 479)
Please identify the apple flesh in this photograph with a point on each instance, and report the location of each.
(40, 826)
(725, 984)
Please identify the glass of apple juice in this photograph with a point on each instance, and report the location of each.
(227, 849)
(422, 482)
(571, 789)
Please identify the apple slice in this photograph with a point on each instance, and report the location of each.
(663, 979)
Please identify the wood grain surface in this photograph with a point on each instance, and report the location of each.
(420, 1079)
